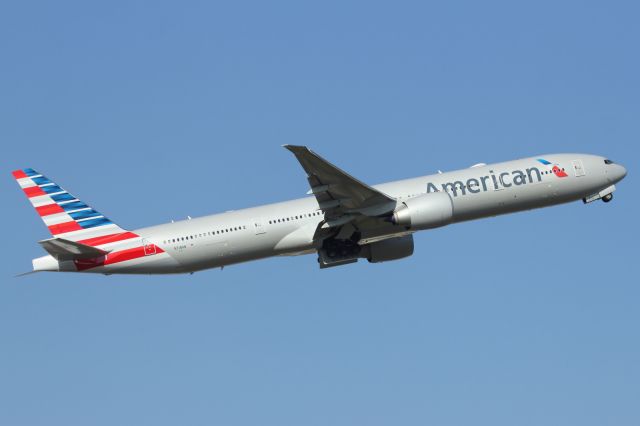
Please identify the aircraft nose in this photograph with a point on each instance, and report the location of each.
(617, 173)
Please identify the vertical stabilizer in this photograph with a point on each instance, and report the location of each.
(65, 215)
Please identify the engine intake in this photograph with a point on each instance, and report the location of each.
(425, 211)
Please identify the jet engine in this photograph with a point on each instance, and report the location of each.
(391, 249)
(426, 211)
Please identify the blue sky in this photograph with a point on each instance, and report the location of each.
(152, 111)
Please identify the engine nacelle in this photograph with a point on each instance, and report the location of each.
(425, 212)
(391, 249)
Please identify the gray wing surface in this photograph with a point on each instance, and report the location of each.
(340, 196)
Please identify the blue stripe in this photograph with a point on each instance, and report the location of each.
(84, 214)
(41, 180)
(543, 161)
(74, 206)
(51, 189)
(62, 197)
(30, 172)
(92, 223)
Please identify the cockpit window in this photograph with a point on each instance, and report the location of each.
(607, 161)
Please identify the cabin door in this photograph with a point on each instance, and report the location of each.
(258, 227)
(578, 168)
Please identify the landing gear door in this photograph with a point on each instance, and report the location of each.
(578, 168)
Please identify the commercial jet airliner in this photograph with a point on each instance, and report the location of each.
(342, 220)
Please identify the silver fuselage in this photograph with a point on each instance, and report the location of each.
(287, 228)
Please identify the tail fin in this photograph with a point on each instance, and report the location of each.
(64, 215)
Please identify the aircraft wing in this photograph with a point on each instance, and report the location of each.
(340, 196)
(63, 249)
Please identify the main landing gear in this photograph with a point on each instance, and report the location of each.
(607, 198)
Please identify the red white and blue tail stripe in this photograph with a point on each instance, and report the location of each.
(85, 239)
(65, 215)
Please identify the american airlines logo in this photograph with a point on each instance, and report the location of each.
(554, 168)
(495, 181)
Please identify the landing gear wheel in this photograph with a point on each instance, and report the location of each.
(607, 198)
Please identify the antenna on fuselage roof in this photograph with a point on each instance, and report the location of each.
(439, 172)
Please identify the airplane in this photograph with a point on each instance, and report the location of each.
(342, 220)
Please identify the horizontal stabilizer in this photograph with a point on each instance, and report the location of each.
(63, 249)
(26, 273)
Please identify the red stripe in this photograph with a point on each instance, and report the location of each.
(129, 254)
(83, 264)
(61, 228)
(34, 191)
(123, 255)
(49, 209)
(115, 257)
(106, 239)
(19, 174)
(559, 172)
